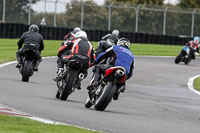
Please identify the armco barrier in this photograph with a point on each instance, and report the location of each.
(15, 30)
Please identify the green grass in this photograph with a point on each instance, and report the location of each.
(197, 84)
(8, 48)
(155, 50)
(11, 124)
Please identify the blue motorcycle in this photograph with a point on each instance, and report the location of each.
(184, 56)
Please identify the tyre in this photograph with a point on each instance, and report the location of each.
(67, 87)
(88, 103)
(58, 94)
(26, 71)
(187, 61)
(178, 58)
(105, 97)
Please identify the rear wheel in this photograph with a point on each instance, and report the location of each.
(187, 61)
(105, 97)
(67, 87)
(26, 71)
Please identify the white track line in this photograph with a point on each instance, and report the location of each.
(10, 111)
(190, 84)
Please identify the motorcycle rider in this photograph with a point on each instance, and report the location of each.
(76, 48)
(32, 40)
(107, 41)
(194, 46)
(71, 34)
(118, 55)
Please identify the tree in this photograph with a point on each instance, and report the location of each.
(94, 16)
(146, 2)
(16, 10)
(189, 3)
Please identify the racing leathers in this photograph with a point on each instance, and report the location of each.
(116, 56)
(33, 41)
(76, 48)
(194, 47)
(107, 41)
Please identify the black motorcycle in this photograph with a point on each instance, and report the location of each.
(26, 69)
(71, 79)
(184, 56)
(101, 95)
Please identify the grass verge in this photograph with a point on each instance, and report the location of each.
(12, 124)
(8, 48)
(197, 84)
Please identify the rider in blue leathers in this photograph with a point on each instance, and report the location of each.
(118, 55)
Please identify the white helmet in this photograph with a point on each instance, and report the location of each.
(115, 32)
(81, 34)
(124, 42)
(77, 29)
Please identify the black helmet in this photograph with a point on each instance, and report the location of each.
(34, 28)
(124, 42)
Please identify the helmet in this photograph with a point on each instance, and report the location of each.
(115, 32)
(124, 42)
(77, 29)
(81, 33)
(196, 39)
(34, 28)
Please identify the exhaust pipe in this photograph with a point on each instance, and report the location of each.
(81, 76)
(119, 73)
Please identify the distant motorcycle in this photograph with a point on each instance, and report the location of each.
(101, 95)
(184, 56)
(26, 69)
(69, 82)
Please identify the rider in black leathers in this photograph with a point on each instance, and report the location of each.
(31, 40)
(107, 41)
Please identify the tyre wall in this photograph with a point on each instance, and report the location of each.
(15, 30)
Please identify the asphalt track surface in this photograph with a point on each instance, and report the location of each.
(157, 99)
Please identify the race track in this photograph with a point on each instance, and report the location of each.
(157, 99)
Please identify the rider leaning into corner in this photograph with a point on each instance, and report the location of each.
(118, 55)
(32, 40)
(194, 46)
(71, 34)
(75, 48)
(107, 41)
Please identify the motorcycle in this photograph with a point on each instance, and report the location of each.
(26, 69)
(184, 55)
(101, 95)
(71, 79)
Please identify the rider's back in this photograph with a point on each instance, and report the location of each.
(32, 40)
(123, 57)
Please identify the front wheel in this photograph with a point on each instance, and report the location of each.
(58, 94)
(105, 96)
(88, 102)
(178, 58)
(67, 87)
